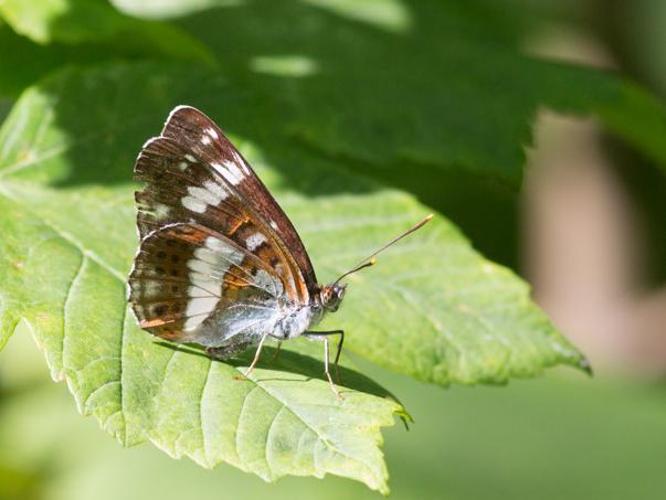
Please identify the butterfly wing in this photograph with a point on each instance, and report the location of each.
(188, 125)
(198, 155)
(194, 176)
(192, 284)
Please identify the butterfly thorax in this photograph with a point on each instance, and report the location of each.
(294, 319)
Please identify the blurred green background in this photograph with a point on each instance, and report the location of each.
(560, 436)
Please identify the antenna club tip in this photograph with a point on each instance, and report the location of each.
(372, 261)
(428, 217)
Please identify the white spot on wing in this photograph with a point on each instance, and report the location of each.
(217, 189)
(200, 290)
(202, 263)
(200, 197)
(211, 132)
(218, 167)
(207, 270)
(201, 306)
(217, 244)
(161, 211)
(203, 285)
(206, 140)
(233, 174)
(254, 240)
(182, 166)
(202, 299)
(215, 258)
(274, 225)
(203, 194)
(190, 158)
(194, 204)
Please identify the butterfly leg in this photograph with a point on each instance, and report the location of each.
(328, 373)
(323, 336)
(277, 350)
(341, 334)
(256, 355)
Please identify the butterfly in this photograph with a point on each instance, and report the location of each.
(219, 263)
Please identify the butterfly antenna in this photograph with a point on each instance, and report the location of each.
(371, 260)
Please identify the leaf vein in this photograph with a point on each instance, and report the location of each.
(269, 446)
(69, 239)
(65, 306)
(204, 441)
(302, 419)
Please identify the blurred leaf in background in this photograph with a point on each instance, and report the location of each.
(634, 33)
(467, 95)
(77, 22)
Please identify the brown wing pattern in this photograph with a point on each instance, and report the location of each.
(188, 125)
(186, 274)
(189, 179)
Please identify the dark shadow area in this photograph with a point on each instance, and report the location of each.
(438, 103)
(24, 62)
(485, 208)
(292, 362)
(645, 186)
(419, 92)
(414, 107)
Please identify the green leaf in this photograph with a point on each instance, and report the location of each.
(95, 21)
(433, 308)
(23, 62)
(283, 421)
(443, 85)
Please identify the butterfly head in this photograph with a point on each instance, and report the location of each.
(331, 296)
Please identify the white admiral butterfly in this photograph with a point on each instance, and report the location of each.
(220, 264)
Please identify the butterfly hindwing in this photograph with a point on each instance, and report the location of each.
(192, 284)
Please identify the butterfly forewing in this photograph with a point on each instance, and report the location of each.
(192, 128)
(185, 184)
(181, 188)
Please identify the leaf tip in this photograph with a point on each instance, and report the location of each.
(584, 364)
